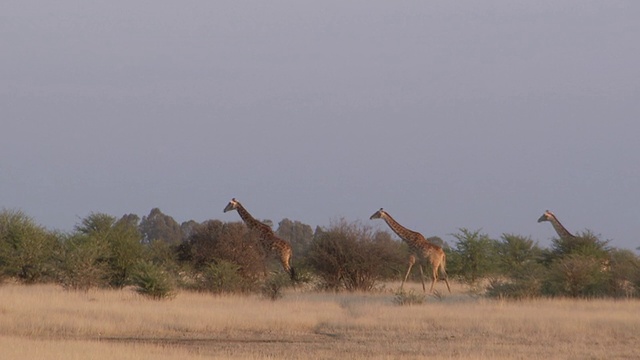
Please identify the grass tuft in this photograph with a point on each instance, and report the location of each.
(409, 298)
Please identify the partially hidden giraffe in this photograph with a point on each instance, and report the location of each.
(563, 233)
(268, 239)
(420, 248)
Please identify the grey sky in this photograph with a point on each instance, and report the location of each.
(449, 114)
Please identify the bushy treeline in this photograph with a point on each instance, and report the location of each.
(157, 256)
(516, 267)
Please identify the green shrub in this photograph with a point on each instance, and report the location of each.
(223, 277)
(26, 248)
(79, 262)
(576, 276)
(625, 274)
(473, 257)
(152, 281)
(119, 243)
(274, 285)
(520, 272)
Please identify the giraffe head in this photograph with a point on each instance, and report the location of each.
(232, 205)
(547, 216)
(378, 214)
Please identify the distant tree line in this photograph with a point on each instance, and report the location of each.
(157, 256)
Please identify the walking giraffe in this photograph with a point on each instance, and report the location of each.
(420, 248)
(563, 233)
(269, 241)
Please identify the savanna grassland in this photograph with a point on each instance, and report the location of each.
(47, 322)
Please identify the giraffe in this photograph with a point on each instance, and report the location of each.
(563, 233)
(420, 249)
(269, 241)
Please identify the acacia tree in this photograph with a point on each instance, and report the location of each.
(226, 256)
(518, 264)
(584, 243)
(516, 255)
(25, 248)
(353, 257)
(126, 251)
(82, 258)
(625, 273)
(579, 266)
(80, 262)
(473, 257)
(102, 251)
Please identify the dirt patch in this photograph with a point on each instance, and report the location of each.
(268, 346)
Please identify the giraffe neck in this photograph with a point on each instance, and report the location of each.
(561, 230)
(251, 222)
(268, 240)
(405, 234)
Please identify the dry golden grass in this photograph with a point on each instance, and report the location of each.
(46, 322)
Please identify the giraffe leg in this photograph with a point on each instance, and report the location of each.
(292, 274)
(412, 260)
(444, 273)
(285, 266)
(291, 271)
(285, 260)
(434, 277)
(422, 278)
